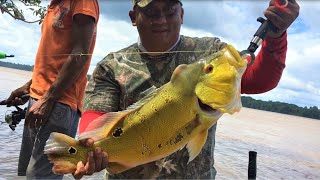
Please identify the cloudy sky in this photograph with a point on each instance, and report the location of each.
(232, 21)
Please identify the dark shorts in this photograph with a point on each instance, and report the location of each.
(33, 163)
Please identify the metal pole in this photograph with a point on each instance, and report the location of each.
(252, 166)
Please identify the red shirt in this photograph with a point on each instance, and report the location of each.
(265, 73)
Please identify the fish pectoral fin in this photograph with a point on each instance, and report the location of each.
(64, 167)
(195, 145)
(115, 167)
(100, 127)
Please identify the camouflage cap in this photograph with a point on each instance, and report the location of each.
(143, 3)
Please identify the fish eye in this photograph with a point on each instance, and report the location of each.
(208, 68)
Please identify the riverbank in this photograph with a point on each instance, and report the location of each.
(288, 146)
(16, 71)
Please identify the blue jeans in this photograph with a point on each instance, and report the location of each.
(33, 163)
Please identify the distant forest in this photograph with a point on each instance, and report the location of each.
(16, 66)
(249, 102)
(21, 66)
(280, 107)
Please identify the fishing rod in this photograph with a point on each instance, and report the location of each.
(252, 165)
(4, 55)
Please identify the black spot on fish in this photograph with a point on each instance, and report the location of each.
(154, 108)
(178, 138)
(193, 124)
(159, 146)
(117, 132)
(72, 150)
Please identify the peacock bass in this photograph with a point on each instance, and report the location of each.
(176, 115)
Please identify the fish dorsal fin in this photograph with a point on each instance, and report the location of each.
(100, 127)
(150, 93)
(195, 145)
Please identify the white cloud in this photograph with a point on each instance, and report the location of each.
(301, 73)
(195, 33)
(235, 22)
(19, 39)
(309, 12)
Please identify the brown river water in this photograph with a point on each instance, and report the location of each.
(288, 147)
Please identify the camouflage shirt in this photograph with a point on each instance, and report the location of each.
(124, 77)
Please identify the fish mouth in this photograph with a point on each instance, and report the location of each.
(206, 108)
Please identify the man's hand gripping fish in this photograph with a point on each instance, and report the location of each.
(176, 115)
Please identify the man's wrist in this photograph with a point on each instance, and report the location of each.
(49, 98)
(27, 85)
(274, 35)
(275, 44)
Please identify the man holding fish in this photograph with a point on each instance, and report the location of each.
(126, 76)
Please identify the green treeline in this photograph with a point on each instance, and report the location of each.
(280, 107)
(16, 66)
(21, 66)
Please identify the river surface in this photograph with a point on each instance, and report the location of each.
(288, 147)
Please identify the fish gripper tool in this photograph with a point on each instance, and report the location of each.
(258, 37)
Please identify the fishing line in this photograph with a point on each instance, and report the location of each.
(130, 53)
(122, 53)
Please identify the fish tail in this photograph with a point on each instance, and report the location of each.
(64, 152)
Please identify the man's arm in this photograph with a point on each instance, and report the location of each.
(267, 69)
(82, 32)
(102, 94)
(265, 73)
(103, 91)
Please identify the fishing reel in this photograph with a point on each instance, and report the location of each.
(15, 117)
